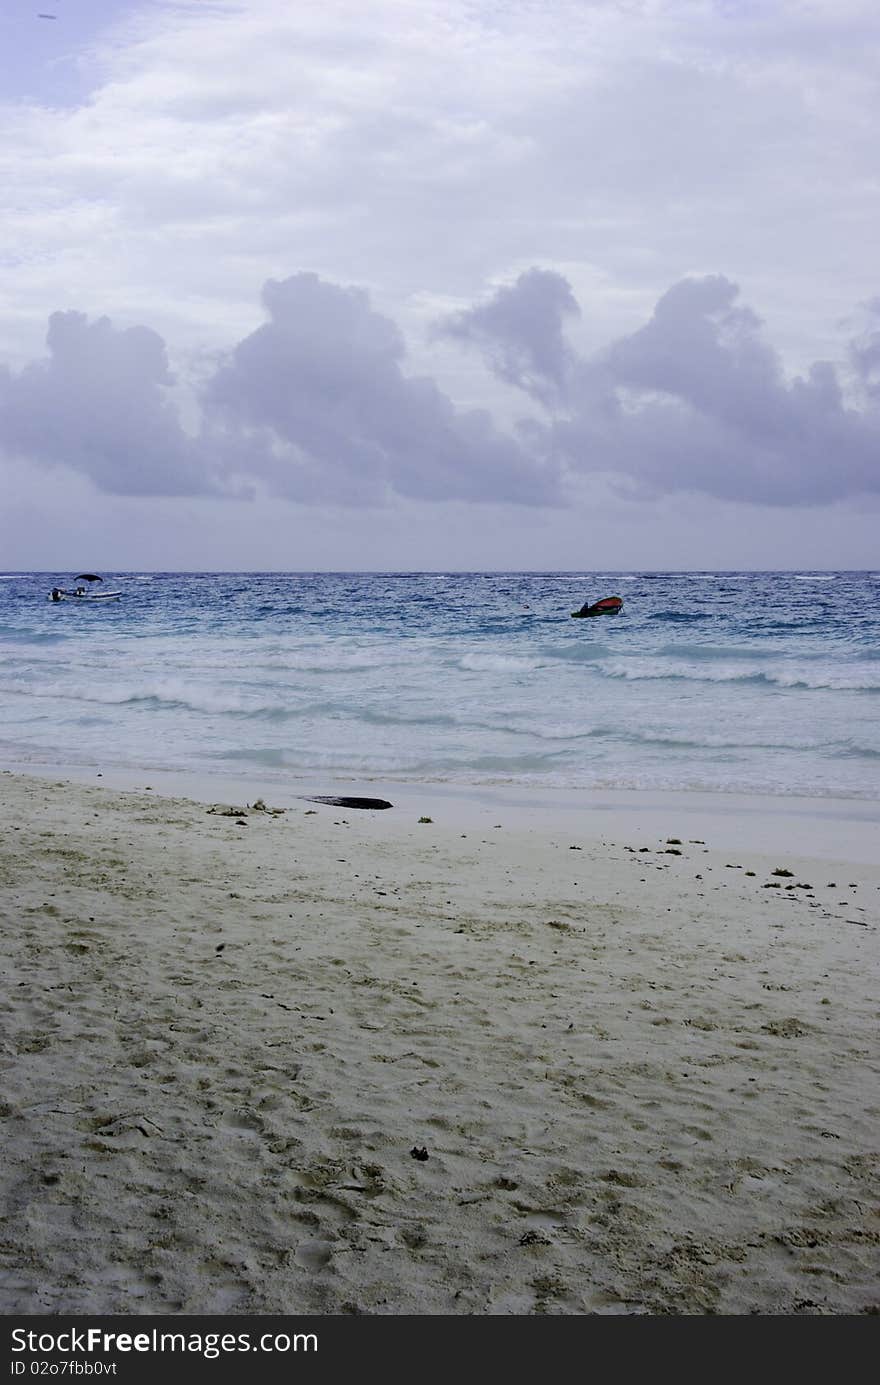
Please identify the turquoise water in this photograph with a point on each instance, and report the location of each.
(745, 682)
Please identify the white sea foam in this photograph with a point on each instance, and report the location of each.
(793, 678)
(501, 663)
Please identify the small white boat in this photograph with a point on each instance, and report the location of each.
(82, 593)
(59, 594)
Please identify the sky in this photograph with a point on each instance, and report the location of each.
(439, 284)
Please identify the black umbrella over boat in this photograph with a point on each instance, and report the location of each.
(88, 577)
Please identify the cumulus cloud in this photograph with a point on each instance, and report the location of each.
(520, 330)
(99, 404)
(316, 406)
(696, 399)
(318, 401)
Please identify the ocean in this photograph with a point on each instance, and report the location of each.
(741, 682)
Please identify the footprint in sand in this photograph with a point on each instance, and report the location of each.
(313, 1255)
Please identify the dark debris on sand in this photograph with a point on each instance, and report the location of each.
(349, 802)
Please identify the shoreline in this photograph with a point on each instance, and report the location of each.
(822, 827)
(330, 1061)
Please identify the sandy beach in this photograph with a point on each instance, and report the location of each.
(503, 1061)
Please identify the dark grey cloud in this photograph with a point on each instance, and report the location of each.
(315, 405)
(697, 400)
(99, 403)
(316, 401)
(520, 331)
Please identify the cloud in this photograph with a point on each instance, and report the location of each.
(429, 149)
(316, 402)
(520, 332)
(865, 353)
(99, 404)
(316, 406)
(695, 399)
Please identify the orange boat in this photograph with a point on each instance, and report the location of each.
(608, 606)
